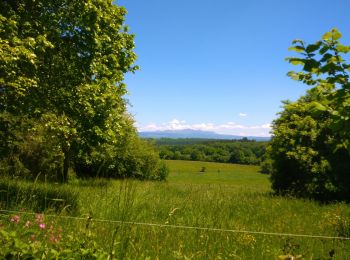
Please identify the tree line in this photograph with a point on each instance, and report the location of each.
(242, 151)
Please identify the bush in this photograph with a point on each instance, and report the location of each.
(131, 157)
(32, 237)
(303, 161)
(29, 148)
(162, 171)
(266, 166)
(310, 147)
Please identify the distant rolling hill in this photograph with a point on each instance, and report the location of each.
(189, 133)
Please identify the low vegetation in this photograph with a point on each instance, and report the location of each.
(224, 196)
(37, 196)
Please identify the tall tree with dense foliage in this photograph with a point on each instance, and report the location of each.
(62, 69)
(310, 147)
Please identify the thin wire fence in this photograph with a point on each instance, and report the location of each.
(89, 218)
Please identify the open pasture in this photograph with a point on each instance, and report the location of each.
(207, 195)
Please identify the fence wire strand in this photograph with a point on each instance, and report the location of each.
(177, 226)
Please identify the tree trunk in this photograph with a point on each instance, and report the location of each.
(65, 166)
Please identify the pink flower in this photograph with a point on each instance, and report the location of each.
(42, 225)
(15, 219)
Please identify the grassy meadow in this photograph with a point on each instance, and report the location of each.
(208, 195)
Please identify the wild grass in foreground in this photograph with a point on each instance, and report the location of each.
(208, 195)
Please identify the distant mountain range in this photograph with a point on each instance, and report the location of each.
(189, 133)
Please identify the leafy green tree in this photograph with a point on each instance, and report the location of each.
(237, 156)
(197, 155)
(62, 65)
(310, 149)
(325, 66)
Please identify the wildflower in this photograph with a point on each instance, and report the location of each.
(42, 225)
(39, 218)
(247, 240)
(53, 239)
(15, 219)
(27, 224)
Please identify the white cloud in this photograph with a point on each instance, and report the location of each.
(242, 114)
(226, 128)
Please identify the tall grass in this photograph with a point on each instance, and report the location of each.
(225, 197)
(37, 196)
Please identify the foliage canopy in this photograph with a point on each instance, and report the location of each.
(225, 151)
(310, 147)
(62, 69)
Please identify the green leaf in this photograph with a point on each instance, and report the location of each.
(60, 200)
(296, 61)
(293, 75)
(311, 64)
(313, 47)
(318, 106)
(324, 49)
(298, 41)
(326, 57)
(343, 48)
(327, 36)
(297, 48)
(336, 34)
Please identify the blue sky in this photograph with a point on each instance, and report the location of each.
(219, 65)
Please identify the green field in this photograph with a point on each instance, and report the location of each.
(189, 172)
(223, 196)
